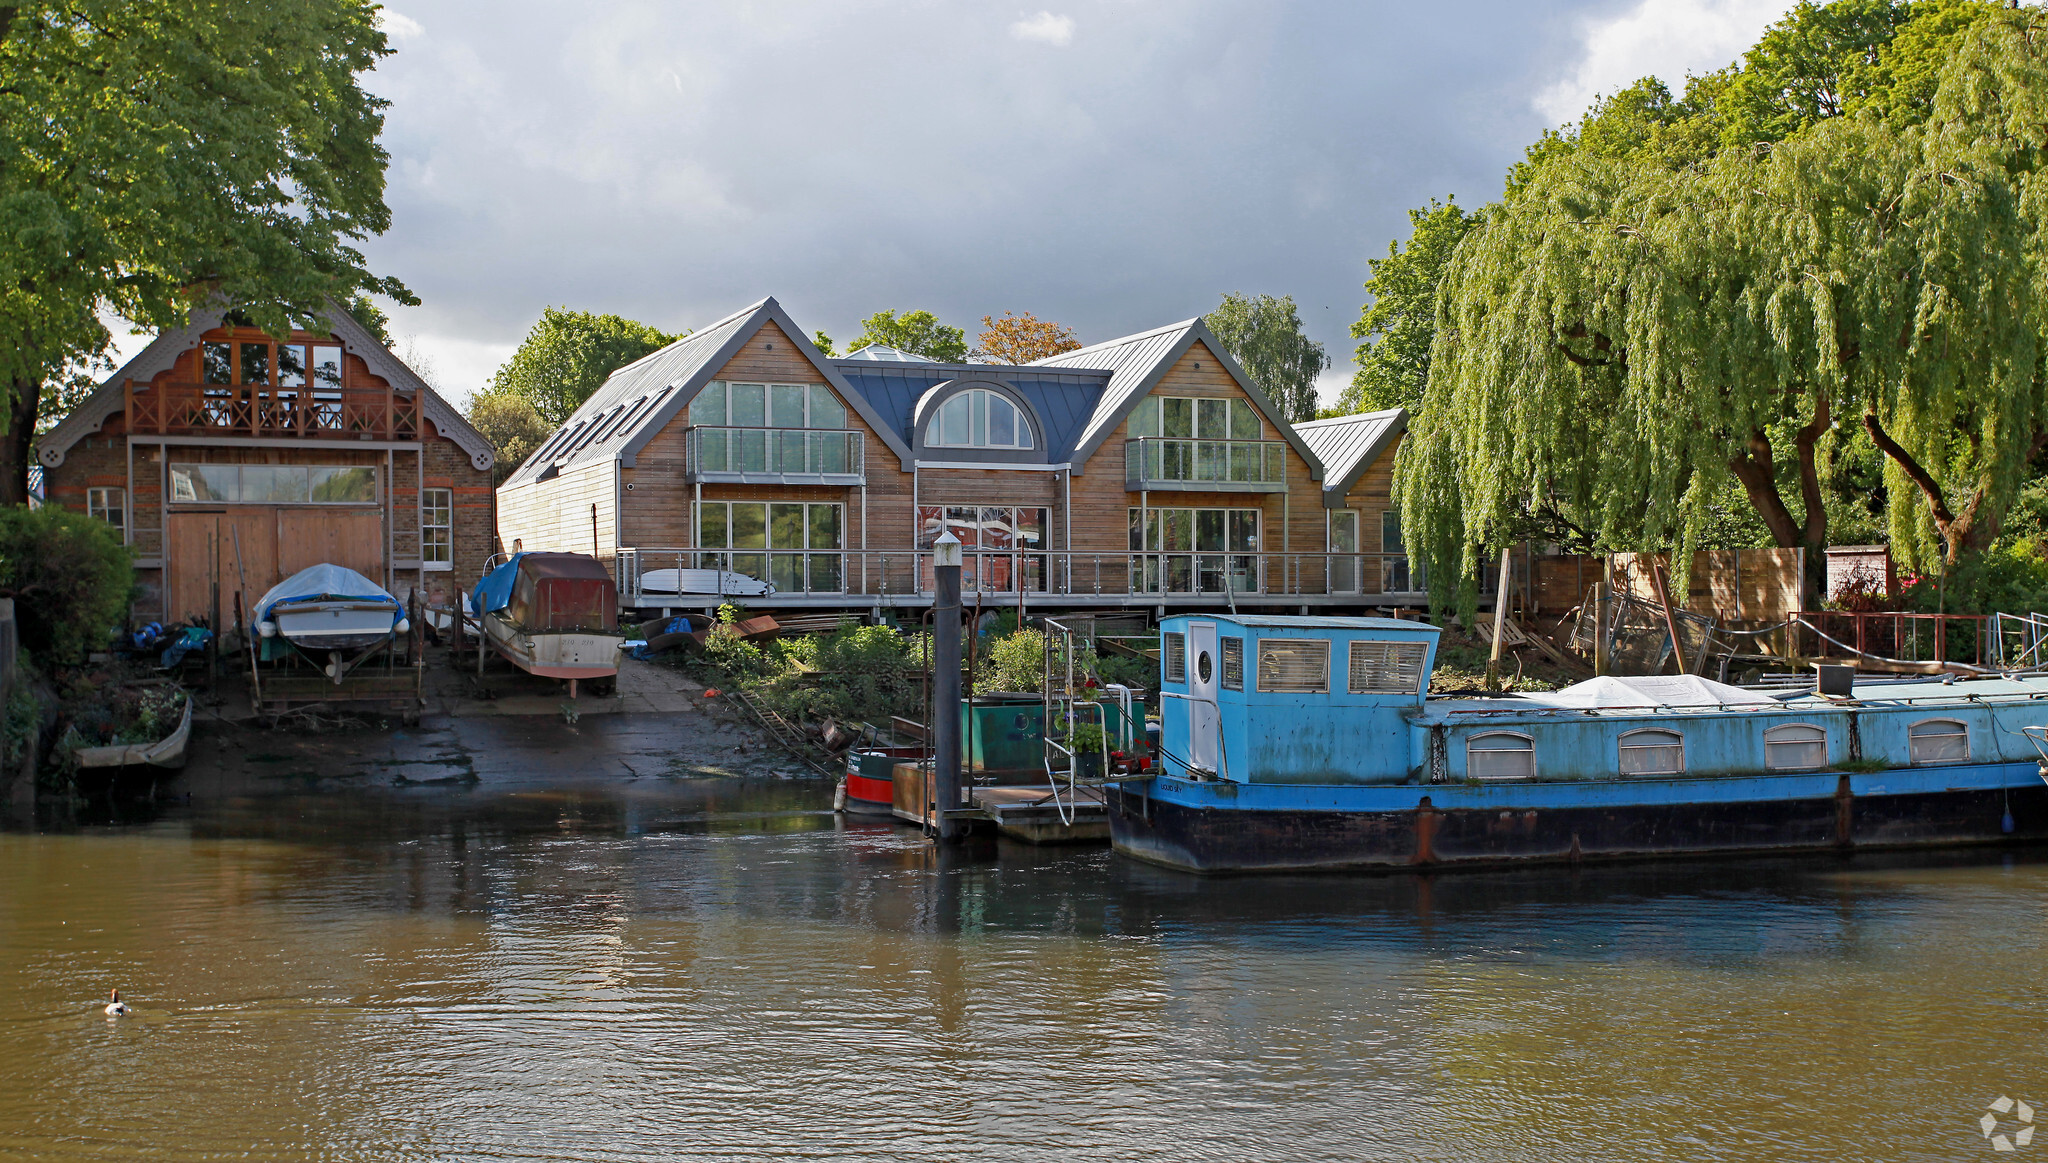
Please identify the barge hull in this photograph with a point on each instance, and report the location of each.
(1207, 826)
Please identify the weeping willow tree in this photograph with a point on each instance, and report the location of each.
(1624, 337)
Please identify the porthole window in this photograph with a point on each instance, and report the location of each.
(1203, 667)
(1652, 752)
(1795, 747)
(1500, 755)
(978, 418)
(1939, 741)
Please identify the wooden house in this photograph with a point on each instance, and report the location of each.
(1358, 502)
(1147, 470)
(230, 459)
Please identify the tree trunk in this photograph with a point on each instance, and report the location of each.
(18, 445)
(1971, 531)
(1757, 470)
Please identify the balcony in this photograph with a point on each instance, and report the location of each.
(1172, 463)
(774, 456)
(258, 410)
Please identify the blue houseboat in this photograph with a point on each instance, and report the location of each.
(1293, 743)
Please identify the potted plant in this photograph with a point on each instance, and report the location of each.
(1086, 742)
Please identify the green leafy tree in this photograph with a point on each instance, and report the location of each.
(160, 154)
(1400, 322)
(365, 311)
(70, 578)
(512, 426)
(917, 332)
(823, 343)
(1264, 334)
(568, 355)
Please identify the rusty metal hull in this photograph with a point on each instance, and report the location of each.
(1218, 827)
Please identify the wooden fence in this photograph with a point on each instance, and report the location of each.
(1733, 586)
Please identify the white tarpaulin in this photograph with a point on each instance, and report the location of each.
(1661, 690)
(321, 582)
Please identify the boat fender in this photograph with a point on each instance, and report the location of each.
(267, 628)
(404, 626)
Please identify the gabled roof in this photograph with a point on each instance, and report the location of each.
(1063, 399)
(163, 351)
(1137, 362)
(1348, 445)
(637, 401)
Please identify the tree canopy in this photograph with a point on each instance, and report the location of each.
(1016, 339)
(1399, 324)
(512, 426)
(157, 154)
(568, 355)
(1264, 334)
(1653, 311)
(917, 332)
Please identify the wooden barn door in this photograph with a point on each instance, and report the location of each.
(202, 551)
(352, 538)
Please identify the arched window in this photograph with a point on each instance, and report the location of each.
(978, 418)
(1500, 755)
(1939, 741)
(1795, 747)
(1652, 752)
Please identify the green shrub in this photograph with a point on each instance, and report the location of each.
(71, 578)
(1014, 662)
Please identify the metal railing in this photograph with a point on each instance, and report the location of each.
(1171, 462)
(1029, 574)
(774, 455)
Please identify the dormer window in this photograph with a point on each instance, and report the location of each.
(978, 418)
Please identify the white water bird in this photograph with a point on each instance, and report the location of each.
(117, 1008)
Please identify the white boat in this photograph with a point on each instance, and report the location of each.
(657, 582)
(555, 615)
(329, 610)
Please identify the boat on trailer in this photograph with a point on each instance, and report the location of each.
(1306, 743)
(555, 615)
(332, 614)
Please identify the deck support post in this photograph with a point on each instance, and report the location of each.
(945, 725)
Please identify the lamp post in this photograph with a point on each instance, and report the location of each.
(946, 560)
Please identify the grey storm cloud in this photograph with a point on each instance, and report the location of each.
(1110, 165)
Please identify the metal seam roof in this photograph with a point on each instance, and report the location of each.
(1348, 445)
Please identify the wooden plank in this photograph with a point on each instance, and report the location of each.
(351, 538)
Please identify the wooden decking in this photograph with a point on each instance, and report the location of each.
(1032, 813)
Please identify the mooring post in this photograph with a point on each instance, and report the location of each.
(946, 558)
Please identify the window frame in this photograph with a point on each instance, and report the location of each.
(1912, 739)
(1528, 748)
(770, 554)
(1259, 675)
(1230, 656)
(1623, 747)
(1783, 728)
(427, 507)
(978, 423)
(171, 497)
(1390, 648)
(97, 505)
(1173, 656)
(723, 392)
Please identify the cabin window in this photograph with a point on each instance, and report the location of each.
(1795, 747)
(1173, 652)
(1233, 664)
(111, 506)
(1387, 668)
(1652, 752)
(1300, 665)
(978, 418)
(1939, 741)
(1500, 755)
(437, 528)
(792, 545)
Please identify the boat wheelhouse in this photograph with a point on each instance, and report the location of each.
(1295, 743)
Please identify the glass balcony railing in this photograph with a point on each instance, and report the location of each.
(768, 455)
(1171, 462)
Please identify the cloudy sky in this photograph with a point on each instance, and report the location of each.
(1113, 165)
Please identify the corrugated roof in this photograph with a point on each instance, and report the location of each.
(1348, 445)
(1313, 622)
(638, 400)
(1064, 401)
(1136, 363)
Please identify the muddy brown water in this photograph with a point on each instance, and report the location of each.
(511, 939)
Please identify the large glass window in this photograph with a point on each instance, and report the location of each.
(1194, 550)
(1652, 752)
(978, 418)
(1196, 418)
(1002, 545)
(1344, 572)
(790, 544)
(771, 428)
(1202, 442)
(1939, 741)
(1299, 665)
(732, 405)
(275, 484)
(1795, 747)
(1500, 755)
(437, 528)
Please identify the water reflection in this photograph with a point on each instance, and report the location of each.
(687, 968)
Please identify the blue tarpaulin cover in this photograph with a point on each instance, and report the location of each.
(325, 583)
(494, 590)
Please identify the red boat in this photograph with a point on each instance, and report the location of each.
(871, 778)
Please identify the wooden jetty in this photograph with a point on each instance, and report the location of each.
(1042, 813)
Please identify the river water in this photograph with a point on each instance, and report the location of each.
(712, 968)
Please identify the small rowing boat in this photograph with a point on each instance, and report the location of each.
(327, 611)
